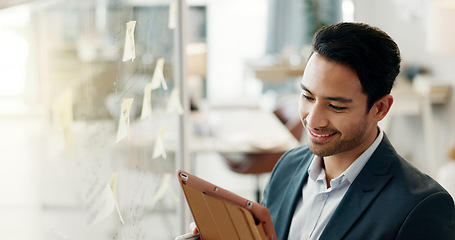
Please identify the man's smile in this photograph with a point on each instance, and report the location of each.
(320, 137)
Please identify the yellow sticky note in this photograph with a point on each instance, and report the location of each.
(107, 201)
(129, 51)
(63, 115)
(105, 206)
(174, 105)
(163, 189)
(164, 186)
(113, 188)
(147, 102)
(124, 122)
(159, 149)
(172, 15)
(158, 76)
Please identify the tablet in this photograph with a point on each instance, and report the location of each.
(221, 214)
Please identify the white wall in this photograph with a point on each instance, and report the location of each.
(405, 22)
(236, 31)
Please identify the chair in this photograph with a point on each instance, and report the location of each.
(259, 163)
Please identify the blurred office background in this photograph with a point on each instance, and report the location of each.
(65, 85)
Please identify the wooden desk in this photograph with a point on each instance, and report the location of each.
(239, 131)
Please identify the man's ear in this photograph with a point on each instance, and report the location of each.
(381, 107)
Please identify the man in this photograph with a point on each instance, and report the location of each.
(348, 182)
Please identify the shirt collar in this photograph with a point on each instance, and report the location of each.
(354, 169)
(315, 168)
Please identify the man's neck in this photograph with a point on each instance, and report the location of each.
(333, 168)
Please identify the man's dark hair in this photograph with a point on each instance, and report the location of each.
(368, 50)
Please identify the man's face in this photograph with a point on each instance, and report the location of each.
(333, 109)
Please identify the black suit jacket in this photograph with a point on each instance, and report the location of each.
(389, 199)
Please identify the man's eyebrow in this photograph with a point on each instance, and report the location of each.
(337, 99)
(305, 89)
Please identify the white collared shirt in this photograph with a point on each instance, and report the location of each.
(318, 203)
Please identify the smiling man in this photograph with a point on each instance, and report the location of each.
(348, 182)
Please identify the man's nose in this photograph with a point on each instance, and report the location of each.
(316, 117)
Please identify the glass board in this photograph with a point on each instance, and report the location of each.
(101, 133)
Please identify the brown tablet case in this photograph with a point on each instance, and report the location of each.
(221, 214)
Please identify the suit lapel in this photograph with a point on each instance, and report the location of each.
(292, 194)
(367, 185)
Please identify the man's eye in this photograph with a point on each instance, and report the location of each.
(337, 108)
(307, 97)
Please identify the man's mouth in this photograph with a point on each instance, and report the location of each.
(321, 135)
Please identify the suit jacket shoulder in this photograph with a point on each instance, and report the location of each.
(284, 187)
(389, 199)
(293, 163)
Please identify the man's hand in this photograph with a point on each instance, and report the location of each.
(193, 235)
(193, 228)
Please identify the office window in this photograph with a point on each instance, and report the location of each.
(292, 23)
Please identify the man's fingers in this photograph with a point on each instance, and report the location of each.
(193, 228)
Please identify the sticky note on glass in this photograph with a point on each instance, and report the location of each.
(107, 201)
(147, 102)
(158, 76)
(113, 188)
(159, 149)
(172, 15)
(124, 122)
(160, 193)
(129, 52)
(174, 105)
(63, 115)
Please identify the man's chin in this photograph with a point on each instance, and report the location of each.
(320, 151)
(332, 148)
